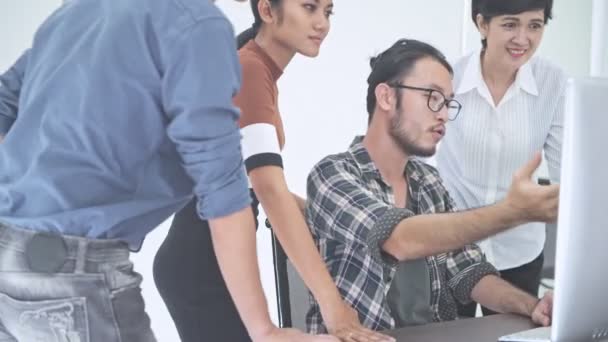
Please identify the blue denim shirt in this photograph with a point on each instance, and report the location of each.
(119, 113)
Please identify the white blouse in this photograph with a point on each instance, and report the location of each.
(487, 143)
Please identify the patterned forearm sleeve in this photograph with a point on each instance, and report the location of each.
(464, 285)
(381, 231)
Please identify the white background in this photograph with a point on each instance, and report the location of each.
(323, 100)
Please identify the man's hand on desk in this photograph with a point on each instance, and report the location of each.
(542, 313)
(343, 322)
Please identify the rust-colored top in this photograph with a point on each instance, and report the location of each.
(258, 97)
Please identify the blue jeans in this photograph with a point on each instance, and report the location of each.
(93, 295)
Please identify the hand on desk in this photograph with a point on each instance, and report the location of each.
(343, 322)
(543, 311)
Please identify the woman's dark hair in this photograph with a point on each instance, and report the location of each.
(493, 8)
(251, 32)
(397, 63)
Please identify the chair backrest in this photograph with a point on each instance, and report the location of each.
(292, 293)
(281, 281)
(298, 297)
(549, 265)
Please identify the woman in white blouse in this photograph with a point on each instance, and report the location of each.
(512, 109)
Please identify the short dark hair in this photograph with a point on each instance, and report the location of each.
(251, 32)
(396, 63)
(493, 8)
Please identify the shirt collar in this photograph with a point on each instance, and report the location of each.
(473, 78)
(363, 160)
(369, 169)
(275, 70)
(525, 79)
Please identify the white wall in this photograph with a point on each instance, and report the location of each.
(567, 40)
(322, 100)
(18, 22)
(599, 39)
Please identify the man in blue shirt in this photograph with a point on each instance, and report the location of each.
(119, 113)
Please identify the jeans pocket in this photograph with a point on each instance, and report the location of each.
(54, 320)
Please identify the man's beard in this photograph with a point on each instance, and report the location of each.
(401, 138)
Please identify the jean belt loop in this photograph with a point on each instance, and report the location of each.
(81, 255)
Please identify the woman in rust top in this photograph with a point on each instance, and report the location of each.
(186, 273)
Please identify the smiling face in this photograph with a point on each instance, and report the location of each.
(303, 25)
(512, 39)
(414, 127)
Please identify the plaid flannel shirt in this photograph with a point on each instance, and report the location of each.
(351, 212)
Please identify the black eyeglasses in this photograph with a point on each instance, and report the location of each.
(436, 100)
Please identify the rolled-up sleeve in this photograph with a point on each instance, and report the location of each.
(10, 89)
(201, 76)
(381, 231)
(465, 266)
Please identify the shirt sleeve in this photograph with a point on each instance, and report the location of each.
(465, 266)
(341, 208)
(260, 140)
(201, 76)
(10, 89)
(553, 143)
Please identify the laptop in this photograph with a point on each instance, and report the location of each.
(580, 307)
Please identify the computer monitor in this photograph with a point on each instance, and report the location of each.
(580, 311)
(580, 307)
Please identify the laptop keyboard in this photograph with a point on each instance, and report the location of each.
(542, 334)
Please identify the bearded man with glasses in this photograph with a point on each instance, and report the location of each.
(387, 228)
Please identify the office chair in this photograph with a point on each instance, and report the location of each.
(281, 280)
(548, 271)
(292, 294)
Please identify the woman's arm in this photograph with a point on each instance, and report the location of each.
(553, 143)
(235, 232)
(290, 228)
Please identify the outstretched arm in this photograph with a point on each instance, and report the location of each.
(424, 235)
